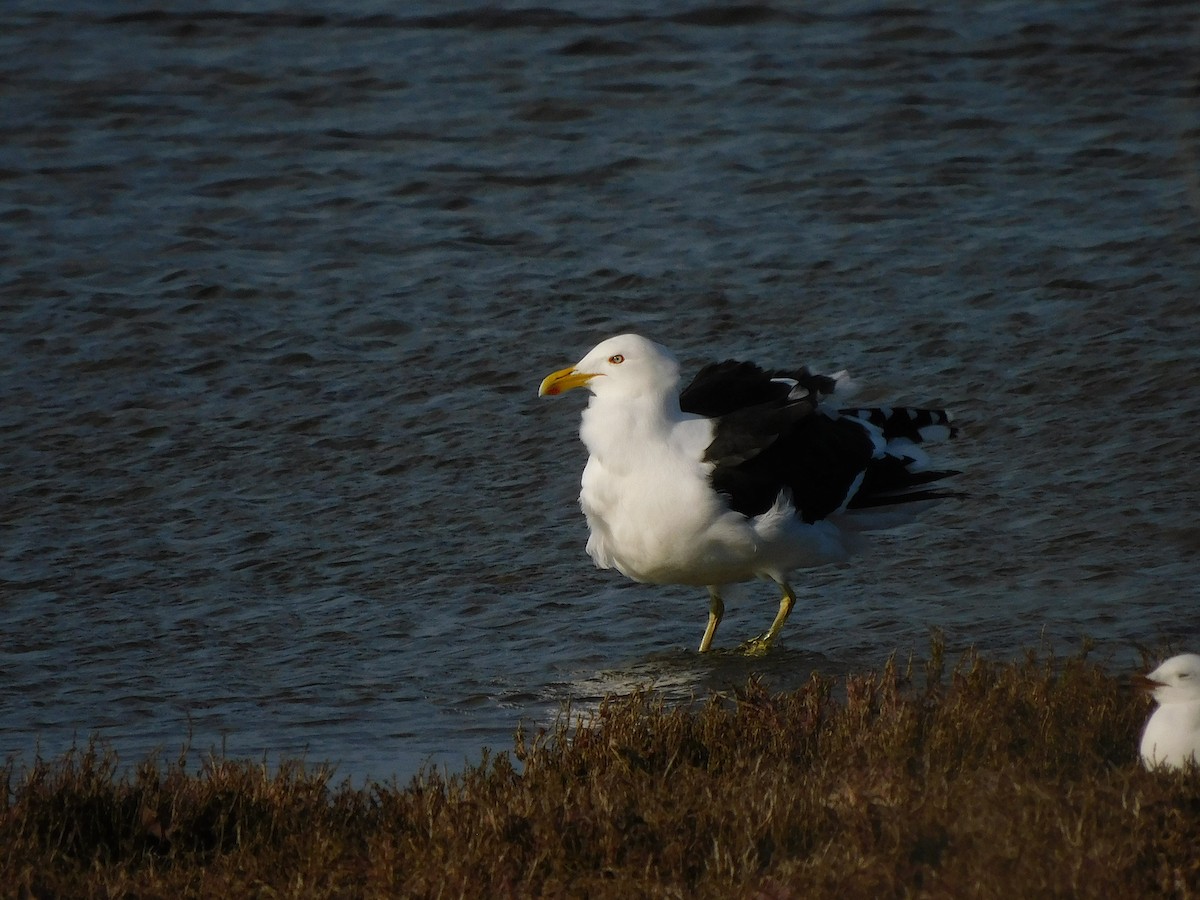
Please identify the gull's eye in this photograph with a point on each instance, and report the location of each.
(616, 359)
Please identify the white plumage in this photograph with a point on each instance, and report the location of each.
(741, 476)
(1171, 738)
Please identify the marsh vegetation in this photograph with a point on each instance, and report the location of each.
(979, 779)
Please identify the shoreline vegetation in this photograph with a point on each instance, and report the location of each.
(984, 779)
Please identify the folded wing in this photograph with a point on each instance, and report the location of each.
(772, 435)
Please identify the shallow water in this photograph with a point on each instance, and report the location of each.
(277, 291)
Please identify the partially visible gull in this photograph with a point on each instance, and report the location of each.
(1172, 735)
(742, 475)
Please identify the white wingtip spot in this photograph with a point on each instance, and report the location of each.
(934, 433)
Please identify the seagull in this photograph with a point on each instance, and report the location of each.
(1172, 735)
(742, 475)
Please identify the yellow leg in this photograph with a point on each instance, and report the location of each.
(785, 609)
(716, 610)
(761, 644)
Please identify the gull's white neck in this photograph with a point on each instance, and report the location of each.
(618, 428)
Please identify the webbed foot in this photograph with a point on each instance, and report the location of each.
(756, 646)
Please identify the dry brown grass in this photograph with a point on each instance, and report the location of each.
(994, 780)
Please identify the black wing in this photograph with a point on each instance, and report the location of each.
(770, 437)
(725, 387)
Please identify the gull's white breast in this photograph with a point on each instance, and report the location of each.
(1172, 736)
(652, 512)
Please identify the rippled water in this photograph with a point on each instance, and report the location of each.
(277, 290)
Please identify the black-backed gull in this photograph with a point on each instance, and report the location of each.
(743, 474)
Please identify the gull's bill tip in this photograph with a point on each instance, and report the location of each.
(563, 380)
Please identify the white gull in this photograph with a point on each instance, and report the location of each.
(1171, 738)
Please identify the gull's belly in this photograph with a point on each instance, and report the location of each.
(666, 529)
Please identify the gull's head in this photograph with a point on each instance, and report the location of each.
(1175, 681)
(626, 365)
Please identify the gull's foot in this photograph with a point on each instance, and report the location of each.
(756, 646)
